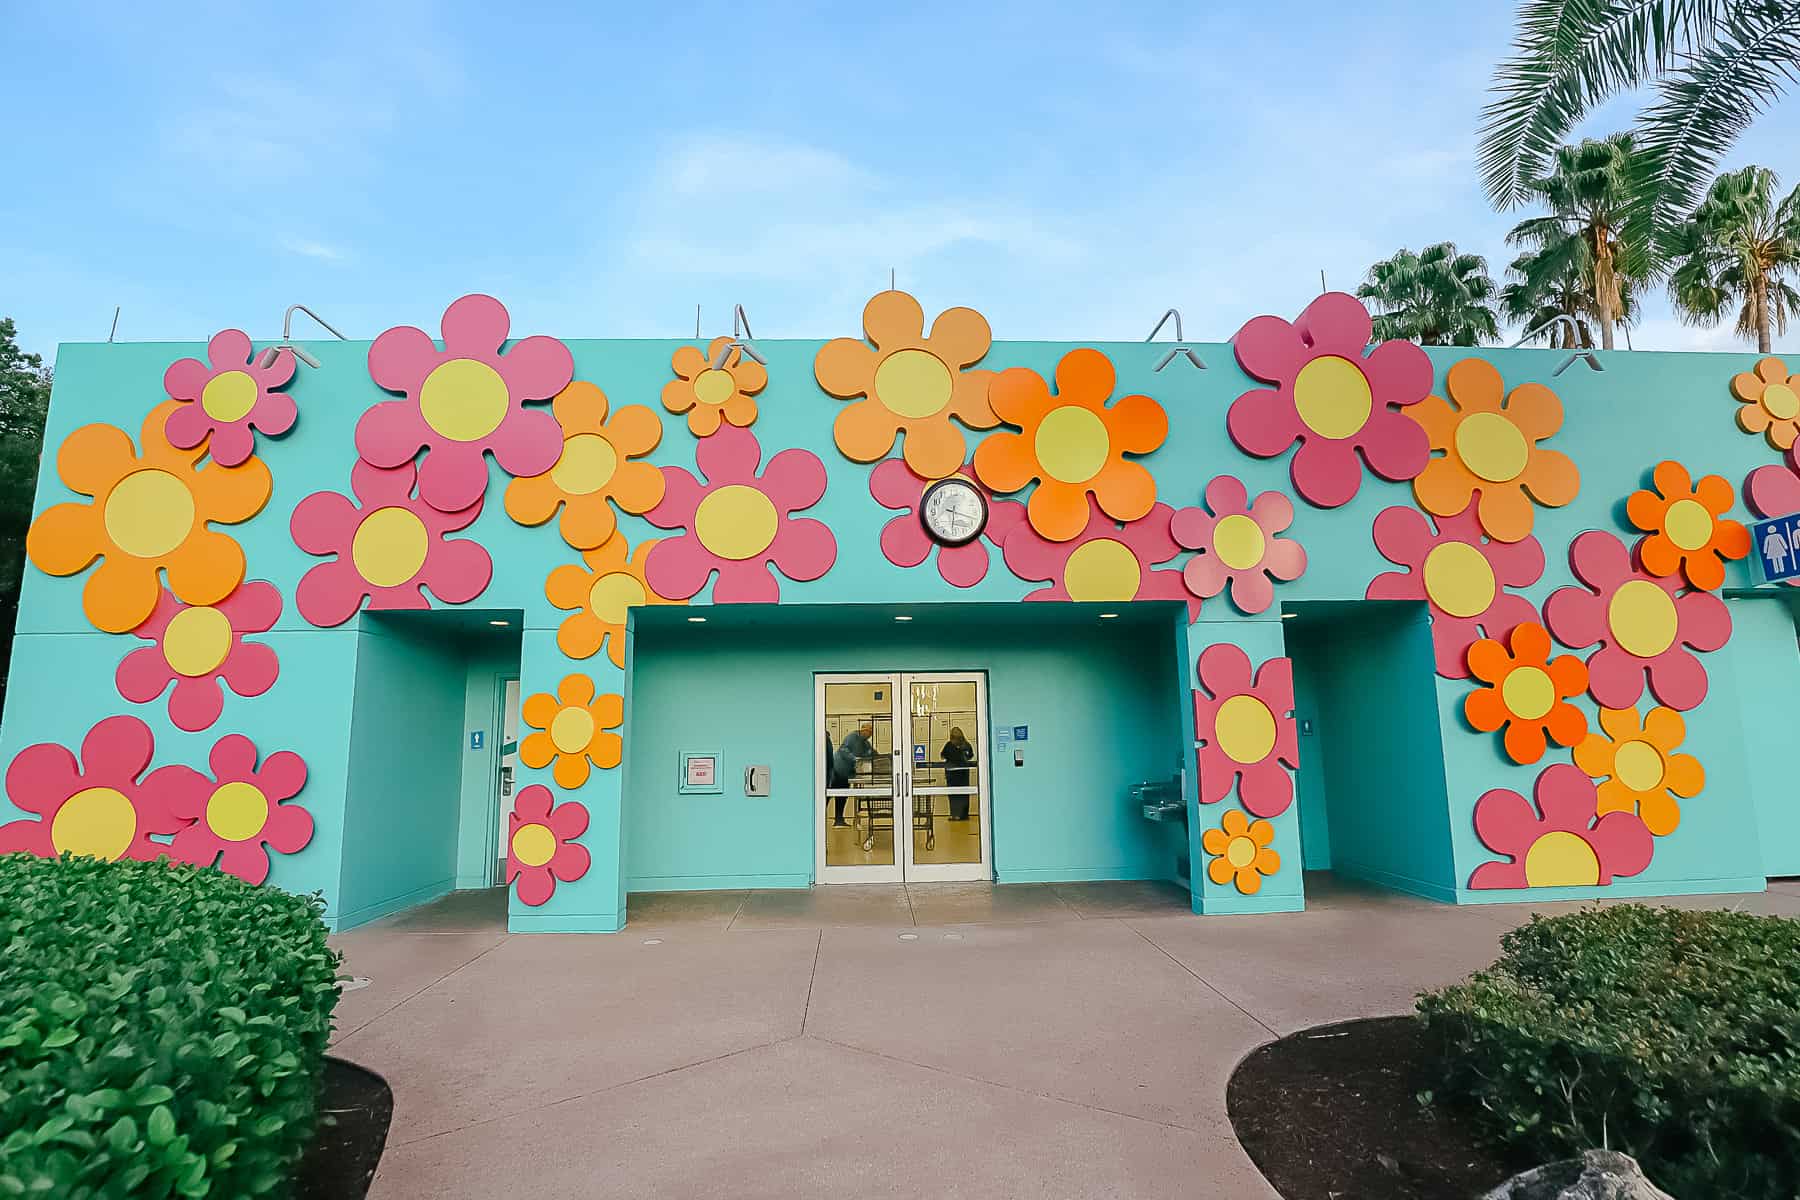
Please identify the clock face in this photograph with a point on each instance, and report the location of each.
(953, 511)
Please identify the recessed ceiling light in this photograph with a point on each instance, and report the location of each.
(903, 618)
(1289, 616)
(1108, 616)
(496, 622)
(696, 620)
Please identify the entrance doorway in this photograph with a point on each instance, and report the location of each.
(902, 778)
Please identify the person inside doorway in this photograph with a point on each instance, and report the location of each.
(957, 754)
(857, 746)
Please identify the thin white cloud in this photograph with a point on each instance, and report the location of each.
(308, 248)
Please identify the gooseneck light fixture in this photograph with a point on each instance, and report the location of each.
(268, 356)
(740, 340)
(1180, 346)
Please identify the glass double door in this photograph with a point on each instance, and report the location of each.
(902, 778)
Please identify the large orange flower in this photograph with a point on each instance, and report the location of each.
(1687, 525)
(912, 384)
(1642, 772)
(1527, 692)
(1770, 400)
(1486, 440)
(149, 513)
(709, 394)
(592, 469)
(1072, 444)
(601, 595)
(574, 725)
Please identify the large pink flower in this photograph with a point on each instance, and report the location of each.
(1461, 574)
(1105, 562)
(1642, 625)
(237, 817)
(229, 398)
(1774, 491)
(540, 845)
(102, 808)
(739, 523)
(1237, 544)
(388, 548)
(463, 401)
(904, 540)
(1562, 842)
(1245, 728)
(1331, 398)
(200, 647)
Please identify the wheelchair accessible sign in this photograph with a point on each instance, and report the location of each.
(1776, 546)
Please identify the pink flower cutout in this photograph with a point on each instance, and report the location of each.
(739, 523)
(1642, 625)
(1331, 398)
(388, 548)
(198, 648)
(1461, 574)
(1105, 562)
(1774, 491)
(904, 540)
(540, 846)
(229, 398)
(1560, 842)
(1237, 544)
(237, 817)
(100, 809)
(463, 401)
(1245, 730)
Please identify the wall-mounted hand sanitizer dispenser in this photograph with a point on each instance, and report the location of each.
(756, 781)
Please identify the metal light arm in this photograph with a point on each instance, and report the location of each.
(1179, 347)
(268, 356)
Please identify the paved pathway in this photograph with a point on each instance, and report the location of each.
(928, 1041)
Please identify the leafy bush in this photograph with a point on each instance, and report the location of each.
(1672, 1036)
(162, 1029)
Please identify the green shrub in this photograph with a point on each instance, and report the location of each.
(1672, 1036)
(162, 1030)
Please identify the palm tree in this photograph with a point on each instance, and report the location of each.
(1739, 248)
(1540, 291)
(1716, 65)
(1436, 297)
(1588, 192)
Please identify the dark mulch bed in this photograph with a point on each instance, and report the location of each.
(1332, 1114)
(355, 1107)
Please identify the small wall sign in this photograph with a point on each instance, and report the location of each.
(477, 738)
(699, 772)
(918, 753)
(1021, 733)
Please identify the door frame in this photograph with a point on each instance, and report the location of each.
(904, 869)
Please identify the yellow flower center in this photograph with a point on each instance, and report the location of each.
(149, 513)
(736, 522)
(714, 387)
(1560, 859)
(1459, 580)
(1245, 729)
(1638, 765)
(237, 811)
(1642, 618)
(1528, 692)
(1332, 396)
(1102, 570)
(1492, 446)
(572, 729)
(228, 397)
(1782, 401)
(98, 822)
(1688, 524)
(587, 465)
(1240, 852)
(197, 641)
(913, 383)
(534, 844)
(612, 594)
(463, 400)
(1238, 541)
(389, 546)
(1071, 444)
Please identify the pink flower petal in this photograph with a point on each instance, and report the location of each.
(1266, 789)
(143, 675)
(330, 593)
(283, 774)
(795, 479)
(729, 456)
(196, 703)
(893, 484)
(527, 443)
(1268, 348)
(229, 349)
(475, 326)
(42, 776)
(188, 425)
(962, 566)
(251, 669)
(904, 542)
(400, 358)
(1615, 678)
(231, 444)
(1399, 373)
(532, 804)
(537, 368)
(1205, 575)
(389, 434)
(569, 820)
(1337, 323)
(682, 494)
(186, 378)
(253, 608)
(289, 830)
(1505, 822)
(117, 749)
(1251, 593)
(457, 571)
(534, 886)
(1677, 679)
(454, 475)
(747, 582)
(1326, 471)
(1395, 447)
(803, 549)
(677, 568)
(1263, 423)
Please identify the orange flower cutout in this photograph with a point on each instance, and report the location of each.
(149, 513)
(601, 595)
(1527, 692)
(1688, 529)
(1770, 402)
(1486, 440)
(1641, 771)
(1240, 850)
(594, 467)
(709, 394)
(1072, 444)
(574, 725)
(912, 384)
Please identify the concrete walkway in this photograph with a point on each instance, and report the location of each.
(925, 1041)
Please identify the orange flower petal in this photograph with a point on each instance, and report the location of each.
(575, 689)
(1621, 723)
(1485, 710)
(739, 409)
(65, 538)
(1671, 479)
(1566, 724)
(120, 594)
(609, 709)
(1551, 477)
(637, 487)
(703, 420)
(1261, 832)
(1489, 660)
(1660, 814)
(230, 495)
(1524, 742)
(1218, 870)
(607, 750)
(531, 500)
(865, 431)
(1475, 385)
(1248, 881)
(1504, 512)
(1535, 409)
(580, 408)
(687, 362)
(845, 367)
(1659, 555)
(1753, 418)
(933, 449)
(1058, 510)
(1568, 674)
(1594, 755)
(893, 319)
(969, 400)
(1019, 396)
(206, 568)
(95, 457)
(1124, 490)
(1683, 775)
(1702, 570)
(1531, 643)
(678, 395)
(539, 709)
(1214, 841)
(580, 635)
(1267, 862)
(1234, 822)
(570, 771)
(1137, 425)
(1645, 510)
(1613, 796)
(961, 336)
(1004, 461)
(587, 521)
(634, 431)
(537, 750)
(1438, 419)
(1664, 728)
(1444, 486)
(752, 377)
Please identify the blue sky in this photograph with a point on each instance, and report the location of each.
(605, 168)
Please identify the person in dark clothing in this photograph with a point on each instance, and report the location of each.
(857, 745)
(956, 755)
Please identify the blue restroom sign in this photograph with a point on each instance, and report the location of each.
(1021, 733)
(1777, 547)
(476, 738)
